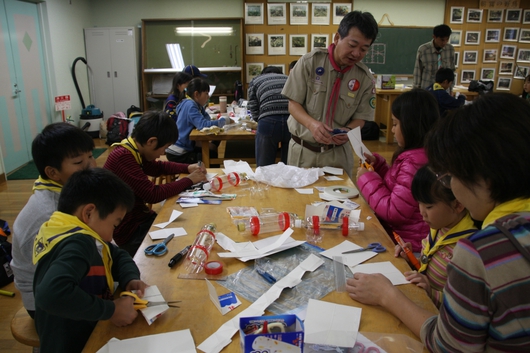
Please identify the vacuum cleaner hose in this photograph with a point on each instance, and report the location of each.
(75, 79)
(86, 126)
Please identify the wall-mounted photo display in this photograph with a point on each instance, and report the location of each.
(506, 68)
(526, 17)
(299, 14)
(455, 38)
(524, 37)
(487, 74)
(277, 44)
(455, 82)
(504, 83)
(513, 15)
(521, 72)
(253, 14)
(280, 66)
(457, 14)
(508, 51)
(320, 14)
(473, 37)
(253, 70)
(457, 58)
(339, 11)
(297, 44)
(490, 56)
(523, 56)
(467, 76)
(474, 16)
(511, 34)
(492, 35)
(255, 43)
(319, 41)
(470, 57)
(495, 15)
(276, 14)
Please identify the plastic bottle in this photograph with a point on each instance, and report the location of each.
(224, 182)
(266, 223)
(222, 104)
(314, 226)
(200, 250)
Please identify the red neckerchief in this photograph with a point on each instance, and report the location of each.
(333, 99)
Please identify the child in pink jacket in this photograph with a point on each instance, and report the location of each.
(387, 188)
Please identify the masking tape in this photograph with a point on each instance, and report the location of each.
(341, 191)
(213, 268)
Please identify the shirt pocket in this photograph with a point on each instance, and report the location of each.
(316, 98)
(346, 107)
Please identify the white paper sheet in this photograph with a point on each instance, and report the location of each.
(151, 313)
(238, 167)
(220, 301)
(305, 191)
(348, 259)
(174, 215)
(169, 342)
(357, 143)
(332, 178)
(333, 170)
(166, 232)
(386, 268)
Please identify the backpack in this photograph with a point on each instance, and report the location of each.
(133, 111)
(6, 274)
(117, 128)
(480, 86)
(370, 131)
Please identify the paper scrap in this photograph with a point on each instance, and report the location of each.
(174, 215)
(386, 268)
(238, 167)
(333, 170)
(224, 303)
(305, 191)
(160, 343)
(151, 313)
(166, 232)
(188, 204)
(357, 143)
(332, 178)
(348, 259)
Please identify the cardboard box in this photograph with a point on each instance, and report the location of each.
(285, 334)
(386, 82)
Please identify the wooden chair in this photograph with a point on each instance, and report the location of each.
(161, 180)
(23, 329)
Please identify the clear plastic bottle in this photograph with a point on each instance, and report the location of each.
(266, 223)
(224, 182)
(314, 226)
(200, 250)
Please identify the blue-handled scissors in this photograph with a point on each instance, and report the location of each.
(375, 247)
(160, 248)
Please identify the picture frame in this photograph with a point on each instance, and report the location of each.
(508, 51)
(492, 36)
(474, 16)
(253, 14)
(506, 67)
(495, 15)
(299, 14)
(320, 14)
(523, 56)
(467, 76)
(513, 16)
(455, 82)
(457, 14)
(276, 44)
(281, 66)
(297, 44)
(253, 70)
(455, 38)
(457, 58)
(504, 83)
(490, 56)
(521, 72)
(511, 34)
(524, 36)
(319, 41)
(526, 17)
(255, 43)
(487, 74)
(470, 57)
(472, 37)
(339, 11)
(276, 14)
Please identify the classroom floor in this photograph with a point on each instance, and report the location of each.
(14, 195)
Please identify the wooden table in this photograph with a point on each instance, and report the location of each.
(234, 134)
(198, 314)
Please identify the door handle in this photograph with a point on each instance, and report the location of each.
(16, 91)
(115, 73)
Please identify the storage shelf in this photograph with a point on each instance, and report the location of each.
(203, 69)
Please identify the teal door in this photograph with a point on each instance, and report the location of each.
(24, 103)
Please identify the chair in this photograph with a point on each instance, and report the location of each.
(23, 329)
(161, 180)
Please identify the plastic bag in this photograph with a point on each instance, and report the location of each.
(287, 176)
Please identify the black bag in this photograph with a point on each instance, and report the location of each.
(117, 128)
(6, 274)
(133, 111)
(370, 131)
(480, 86)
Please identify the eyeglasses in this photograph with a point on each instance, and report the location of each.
(445, 179)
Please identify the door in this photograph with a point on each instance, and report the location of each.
(24, 104)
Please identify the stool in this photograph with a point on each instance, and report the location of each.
(23, 329)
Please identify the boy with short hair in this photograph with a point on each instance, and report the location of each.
(444, 80)
(77, 264)
(58, 151)
(134, 161)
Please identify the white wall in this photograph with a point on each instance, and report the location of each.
(421, 13)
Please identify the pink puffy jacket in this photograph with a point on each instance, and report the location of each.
(387, 191)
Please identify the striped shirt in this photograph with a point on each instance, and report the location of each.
(265, 96)
(427, 63)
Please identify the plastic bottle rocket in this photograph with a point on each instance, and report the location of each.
(200, 250)
(266, 223)
(223, 182)
(314, 227)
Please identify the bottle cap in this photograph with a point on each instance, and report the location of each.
(213, 268)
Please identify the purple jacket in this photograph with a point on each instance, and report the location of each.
(387, 191)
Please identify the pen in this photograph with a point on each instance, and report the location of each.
(7, 293)
(175, 259)
(267, 276)
(413, 260)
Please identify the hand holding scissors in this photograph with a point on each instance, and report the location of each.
(143, 303)
(375, 247)
(158, 249)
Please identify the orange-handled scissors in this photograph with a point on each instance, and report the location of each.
(364, 163)
(143, 303)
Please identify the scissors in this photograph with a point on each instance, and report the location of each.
(158, 249)
(143, 303)
(364, 163)
(375, 247)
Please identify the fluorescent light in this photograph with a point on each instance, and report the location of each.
(203, 30)
(175, 56)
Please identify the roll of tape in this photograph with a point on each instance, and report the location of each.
(213, 268)
(341, 191)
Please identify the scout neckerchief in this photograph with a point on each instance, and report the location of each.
(334, 97)
(59, 227)
(47, 184)
(436, 239)
(504, 209)
(437, 87)
(130, 145)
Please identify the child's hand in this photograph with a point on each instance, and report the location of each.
(196, 166)
(399, 252)
(124, 313)
(361, 170)
(418, 279)
(137, 285)
(370, 158)
(198, 175)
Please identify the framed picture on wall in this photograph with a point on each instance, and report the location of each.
(297, 44)
(473, 37)
(280, 66)
(457, 58)
(474, 16)
(277, 44)
(490, 56)
(299, 14)
(253, 14)
(526, 17)
(470, 57)
(521, 72)
(508, 51)
(276, 14)
(492, 35)
(524, 37)
(457, 14)
(504, 83)
(253, 70)
(339, 11)
(511, 34)
(487, 74)
(523, 56)
(455, 38)
(455, 82)
(320, 14)
(506, 68)
(255, 43)
(319, 41)
(495, 15)
(467, 76)
(513, 15)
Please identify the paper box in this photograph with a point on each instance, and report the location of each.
(285, 334)
(386, 81)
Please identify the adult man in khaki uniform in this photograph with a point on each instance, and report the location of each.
(331, 89)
